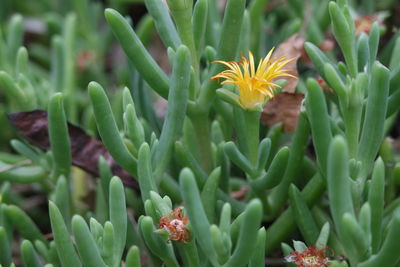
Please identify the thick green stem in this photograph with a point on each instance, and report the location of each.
(202, 128)
(252, 119)
(352, 126)
(182, 14)
(69, 68)
(184, 27)
(353, 113)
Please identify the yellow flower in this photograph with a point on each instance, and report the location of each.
(255, 86)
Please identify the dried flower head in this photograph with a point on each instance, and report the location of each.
(324, 85)
(175, 224)
(365, 23)
(311, 257)
(255, 85)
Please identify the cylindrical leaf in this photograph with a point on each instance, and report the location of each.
(59, 137)
(137, 53)
(65, 250)
(118, 217)
(85, 243)
(108, 129)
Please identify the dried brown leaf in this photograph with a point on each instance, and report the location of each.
(84, 59)
(364, 23)
(240, 194)
(284, 108)
(85, 150)
(325, 46)
(291, 48)
(324, 85)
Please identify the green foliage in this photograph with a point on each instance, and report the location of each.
(203, 182)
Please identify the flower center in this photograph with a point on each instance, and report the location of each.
(178, 225)
(312, 261)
